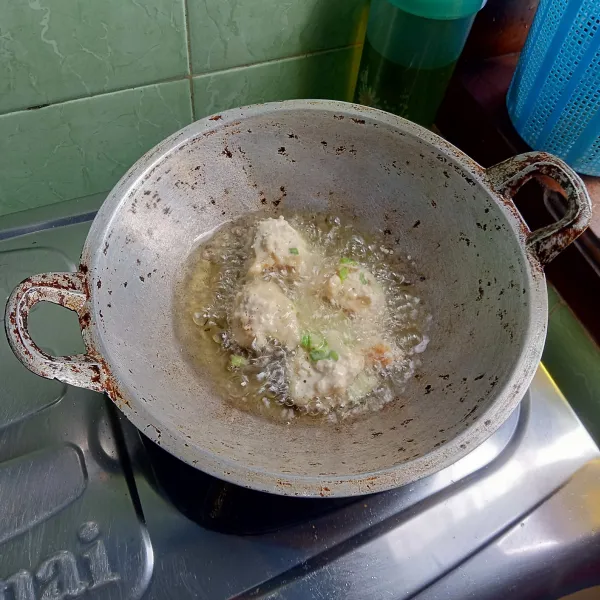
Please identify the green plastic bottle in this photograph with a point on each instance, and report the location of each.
(410, 52)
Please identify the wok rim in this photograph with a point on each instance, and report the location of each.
(506, 398)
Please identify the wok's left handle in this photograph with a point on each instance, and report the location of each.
(507, 177)
(65, 289)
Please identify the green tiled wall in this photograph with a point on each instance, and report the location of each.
(321, 75)
(86, 87)
(573, 360)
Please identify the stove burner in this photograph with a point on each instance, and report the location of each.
(89, 512)
(229, 508)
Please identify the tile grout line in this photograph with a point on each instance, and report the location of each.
(276, 60)
(190, 73)
(26, 109)
(560, 302)
(555, 307)
(188, 76)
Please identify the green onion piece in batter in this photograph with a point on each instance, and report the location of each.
(363, 279)
(294, 251)
(347, 261)
(316, 355)
(343, 273)
(333, 355)
(317, 342)
(313, 341)
(238, 361)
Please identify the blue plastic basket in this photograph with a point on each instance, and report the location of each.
(554, 97)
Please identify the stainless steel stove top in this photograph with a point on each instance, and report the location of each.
(89, 509)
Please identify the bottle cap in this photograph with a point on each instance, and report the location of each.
(440, 9)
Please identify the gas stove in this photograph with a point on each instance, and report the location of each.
(90, 508)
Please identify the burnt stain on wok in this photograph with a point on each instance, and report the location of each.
(156, 430)
(85, 320)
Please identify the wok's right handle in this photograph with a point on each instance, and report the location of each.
(65, 289)
(547, 242)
